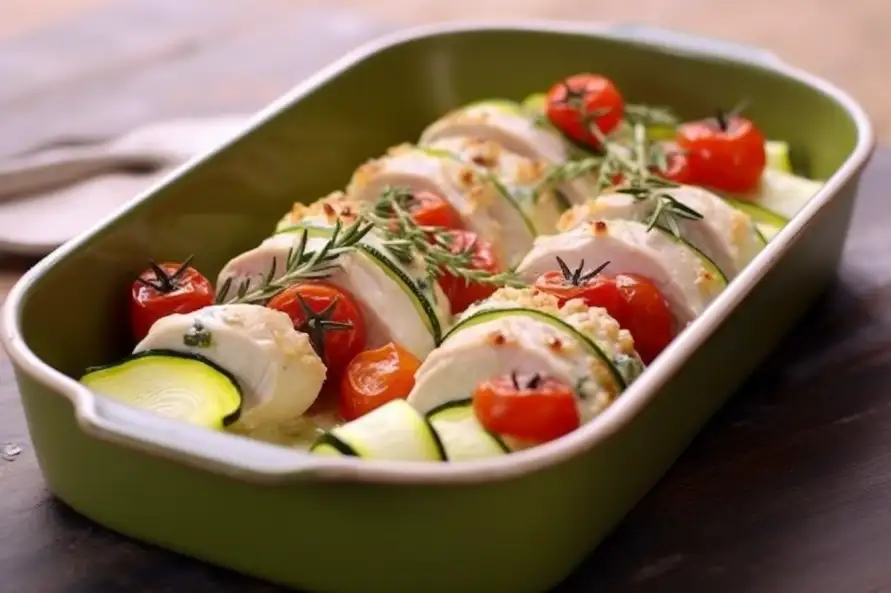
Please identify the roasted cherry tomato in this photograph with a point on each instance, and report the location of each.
(461, 293)
(375, 377)
(532, 408)
(725, 152)
(630, 299)
(330, 317)
(164, 289)
(429, 209)
(581, 101)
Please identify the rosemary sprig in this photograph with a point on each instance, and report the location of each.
(650, 115)
(567, 171)
(633, 165)
(316, 323)
(579, 276)
(300, 264)
(430, 246)
(642, 185)
(163, 282)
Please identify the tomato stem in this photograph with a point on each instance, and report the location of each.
(578, 276)
(533, 382)
(318, 322)
(163, 282)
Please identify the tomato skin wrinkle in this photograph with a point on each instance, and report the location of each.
(375, 377)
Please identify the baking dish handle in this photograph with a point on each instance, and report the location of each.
(206, 449)
(693, 43)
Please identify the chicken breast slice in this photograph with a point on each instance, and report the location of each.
(724, 234)
(509, 125)
(688, 280)
(275, 365)
(392, 312)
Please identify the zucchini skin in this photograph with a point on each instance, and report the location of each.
(332, 441)
(341, 443)
(461, 403)
(440, 448)
(408, 284)
(382, 260)
(227, 420)
(706, 259)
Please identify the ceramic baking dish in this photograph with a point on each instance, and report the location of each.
(514, 524)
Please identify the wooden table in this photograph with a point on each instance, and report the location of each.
(786, 491)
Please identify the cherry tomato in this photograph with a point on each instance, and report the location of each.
(567, 284)
(584, 100)
(532, 408)
(462, 294)
(630, 299)
(165, 289)
(429, 209)
(375, 377)
(330, 317)
(725, 152)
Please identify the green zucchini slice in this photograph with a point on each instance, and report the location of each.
(177, 385)
(768, 222)
(421, 302)
(462, 436)
(394, 432)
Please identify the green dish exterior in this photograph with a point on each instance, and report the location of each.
(495, 536)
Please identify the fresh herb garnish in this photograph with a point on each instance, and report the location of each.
(431, 246)
(642, 185)
(300, 264)
(650, 115)
(197, 336)
(632, 164)
(558, 174)
(163, 282)
(616, 162)
(316, 323)
(579, 276)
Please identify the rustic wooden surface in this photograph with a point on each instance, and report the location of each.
(845, 41)
(785, 491)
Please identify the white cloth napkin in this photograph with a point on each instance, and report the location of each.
(52, 194)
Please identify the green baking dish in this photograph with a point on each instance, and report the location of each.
(515, 524)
